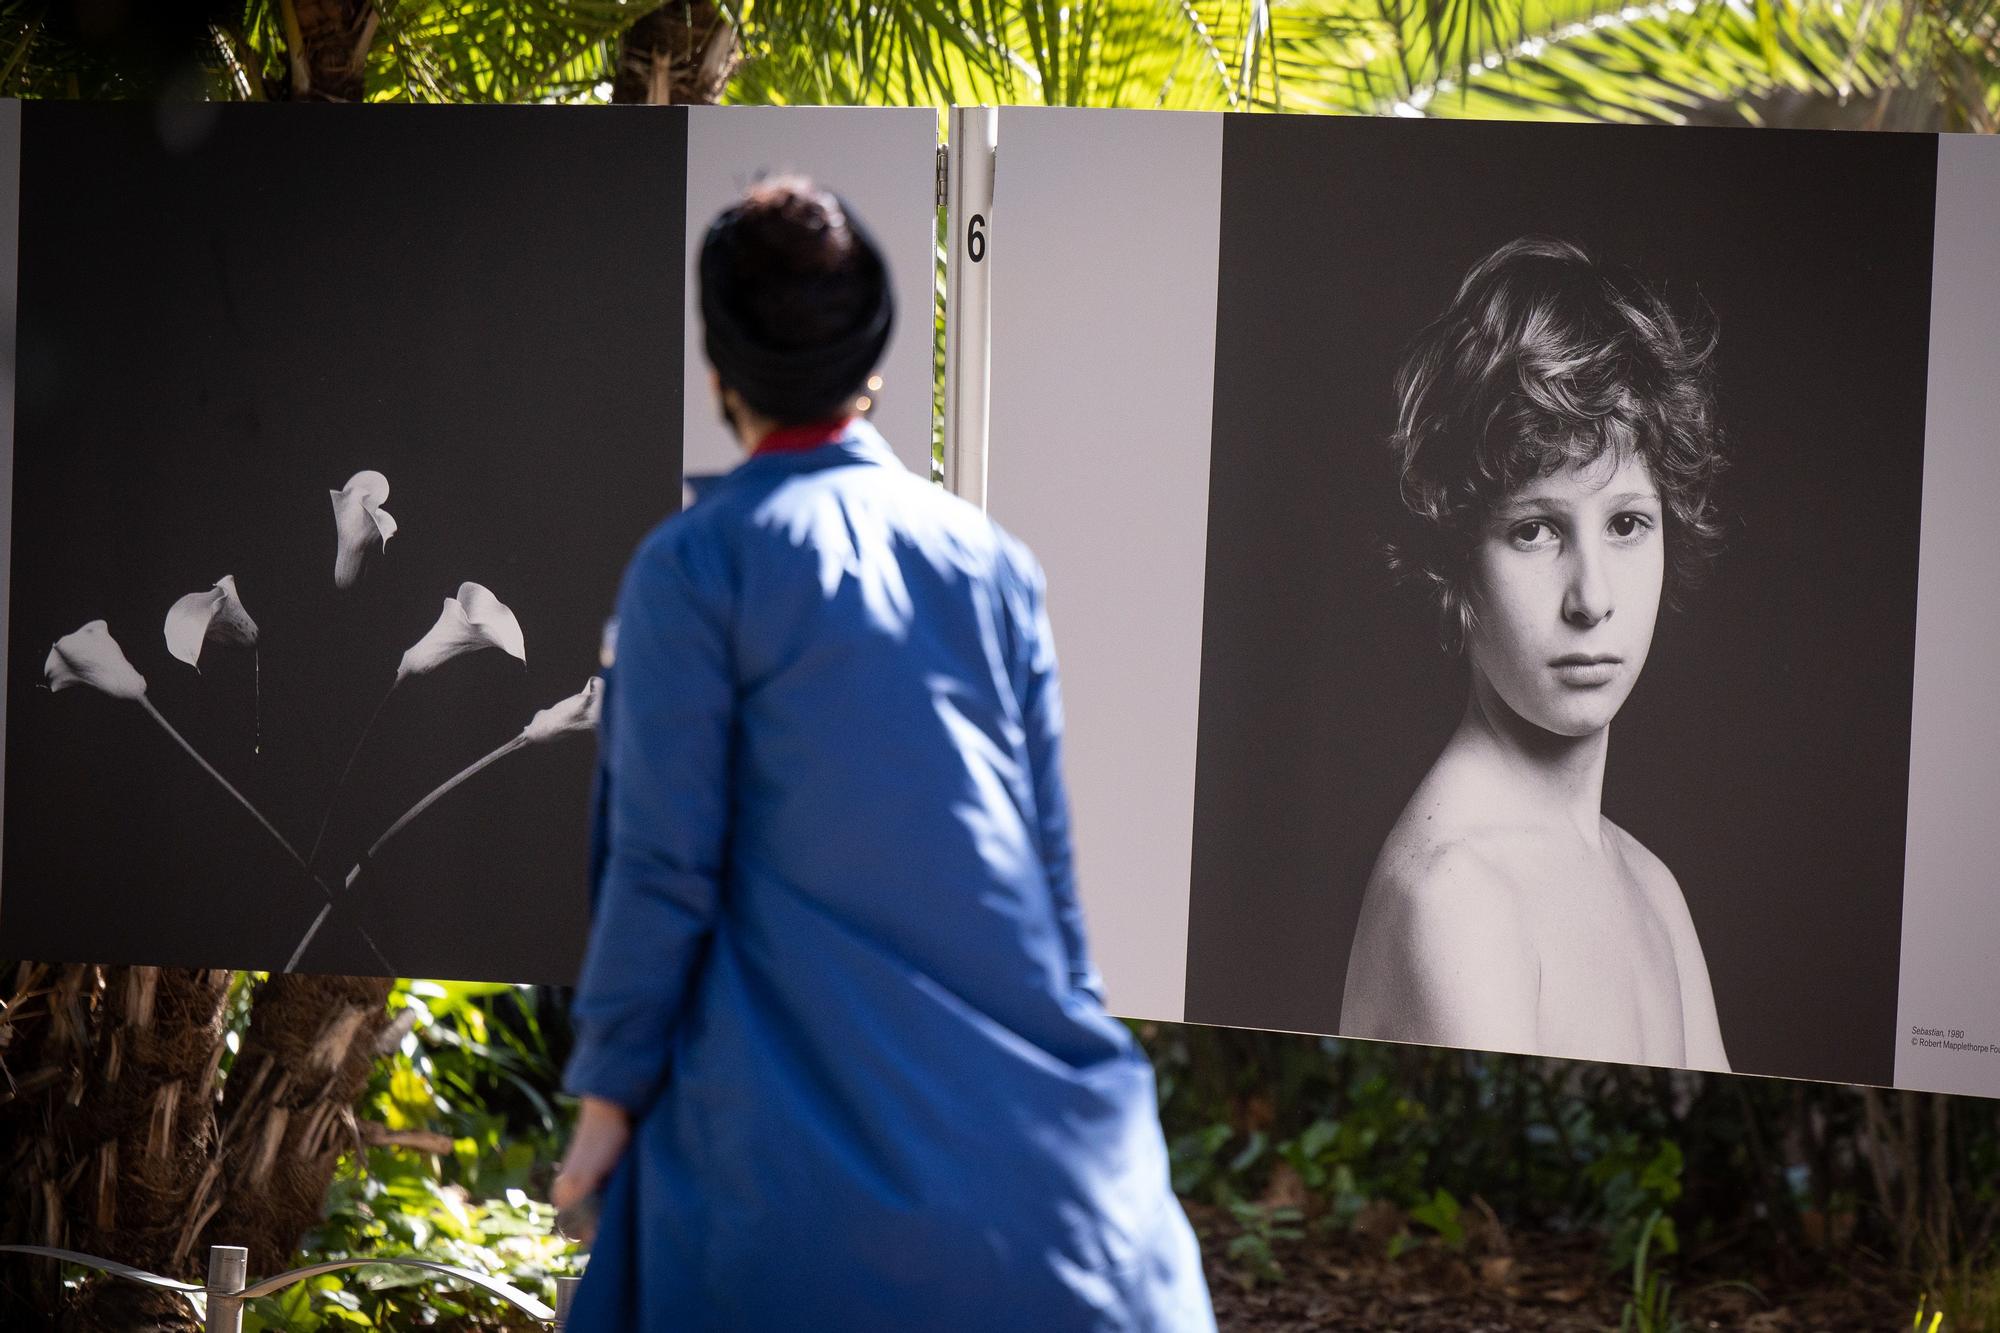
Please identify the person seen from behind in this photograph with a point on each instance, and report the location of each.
(843, 1058)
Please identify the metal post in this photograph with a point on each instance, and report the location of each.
(565, 1297)
(968, 321)
(228, 1270)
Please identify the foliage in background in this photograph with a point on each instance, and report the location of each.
(462, 1130)
(1872, 64)
(1852, 63)
(1651, 1309)
(253, 50)
(1409, 1144)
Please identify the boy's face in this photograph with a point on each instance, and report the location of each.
(1565, 588)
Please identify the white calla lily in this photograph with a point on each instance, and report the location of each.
(472, 620)
(90, 656)
(576, 713)
(360, 524)
(203, 617)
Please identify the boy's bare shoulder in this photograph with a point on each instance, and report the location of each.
(1663, 893)
(1429, 854)
(1446, 885)
(1442, 953)
(1649, 870)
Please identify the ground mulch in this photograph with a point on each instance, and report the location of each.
(1341, 1279)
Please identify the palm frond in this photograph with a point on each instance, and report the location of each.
(1860, 63)
(1875, 65)
(477, 51)
(1186, 54)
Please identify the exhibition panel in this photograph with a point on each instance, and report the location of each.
(1103, 345)
(1948, 1022)
(1416, 818)
(1378, 466)
(1513, 430)
(333, 435)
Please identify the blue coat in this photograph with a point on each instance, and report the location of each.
(836, 970)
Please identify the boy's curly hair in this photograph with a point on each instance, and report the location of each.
(1543, 361)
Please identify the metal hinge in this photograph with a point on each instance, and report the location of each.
(943, 175)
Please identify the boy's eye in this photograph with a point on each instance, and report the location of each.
(1630, 525)
(1534, 532)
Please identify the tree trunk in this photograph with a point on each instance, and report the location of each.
(109, 1128)
(328, 44)
(110, 1137)
(288, 1110)
(680, 53)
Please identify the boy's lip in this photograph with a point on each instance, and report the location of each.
(1587, 670)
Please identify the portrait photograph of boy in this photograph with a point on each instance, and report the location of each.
(1531, 441)
(1556, 451)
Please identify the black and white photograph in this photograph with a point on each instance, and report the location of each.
(1554, 431)
(333, 436)
(1560, 601)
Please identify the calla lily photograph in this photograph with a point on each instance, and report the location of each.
(91, 657)
(338, 785)
(472, 620)
(576, 713)
(201, 618)
(362, 527)
(308, 525)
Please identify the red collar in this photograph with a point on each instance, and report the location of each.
(797, 439)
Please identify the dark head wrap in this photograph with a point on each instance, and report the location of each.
(780, 377)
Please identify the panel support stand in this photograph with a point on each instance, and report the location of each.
(968, 320)
(228, 1269)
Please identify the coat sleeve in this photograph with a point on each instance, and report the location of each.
(662, 827)
(1042, 714)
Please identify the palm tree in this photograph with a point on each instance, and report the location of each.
(677, 54)
(318, 50)
(1880, 64)
(1852, 62)
(1932, 64)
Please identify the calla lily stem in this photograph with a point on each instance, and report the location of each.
(292, 963)
(283, 842)
(432, 799)
(353, 755)
(395, 828)
(244, 801)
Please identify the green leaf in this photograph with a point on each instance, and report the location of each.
(1441, 1214)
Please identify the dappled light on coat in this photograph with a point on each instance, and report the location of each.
(999, 788)
(852, 539)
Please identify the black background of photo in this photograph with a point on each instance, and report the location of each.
(225, 312)
(1764, 753)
